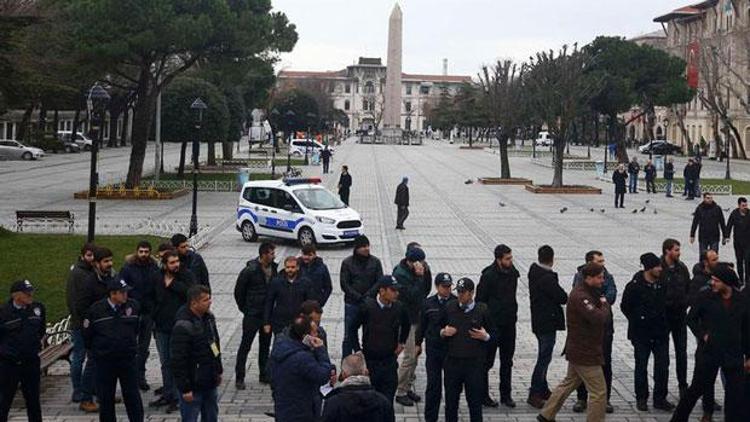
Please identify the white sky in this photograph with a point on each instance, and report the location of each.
(469, 33)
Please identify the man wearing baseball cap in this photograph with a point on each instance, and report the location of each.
(720, 320)
(430, 323)
(110, 329)
(22, 327)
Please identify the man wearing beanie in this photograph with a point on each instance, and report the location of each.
(720, 320)
(358, 279)
(644, 305)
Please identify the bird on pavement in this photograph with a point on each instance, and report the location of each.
(563, 209)
(643, 209)
(592, 210)
(648, 201)
(655, 212)
(635, 211)
(501, 204)
(468, 182)
(602, 210)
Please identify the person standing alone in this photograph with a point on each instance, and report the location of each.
(650, 175)
(619, 178)
(402, 203)
(325, 156)
(345, 184)
(633, 169)
(669, 176)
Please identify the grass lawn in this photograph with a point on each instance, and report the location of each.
(739, 187)
(45, 260)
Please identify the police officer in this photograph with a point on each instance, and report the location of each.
(429, 330)
(466, 330)
(111, 329)
(22, 324)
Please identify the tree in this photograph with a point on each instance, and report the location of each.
(142, 45)
(302, 106)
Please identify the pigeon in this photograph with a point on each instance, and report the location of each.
(502, 204)
(648, 201)
(635, 211)
(592, 210)
(468, 182)
(563, 209)
(602, 210)
(655, 212)
(726, 209)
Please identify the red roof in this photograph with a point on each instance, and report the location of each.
(687, 11)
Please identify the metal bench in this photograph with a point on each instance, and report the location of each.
(57, 345)
(37, 218)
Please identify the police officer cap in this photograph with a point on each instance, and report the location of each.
(118, 284)
(388, 281)
(21, 286)
(726, 274)
(443, 278)
(465, 284)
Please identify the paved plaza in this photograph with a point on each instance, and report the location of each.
(458, 225)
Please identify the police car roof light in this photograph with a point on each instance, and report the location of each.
(302, 181)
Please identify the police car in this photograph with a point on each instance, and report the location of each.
(298, 209)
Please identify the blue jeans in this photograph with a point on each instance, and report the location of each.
(669, 187)
(633, 183)
(205, 404)
(82, 379)
(165, 358)
(351, 335)
(546, 343)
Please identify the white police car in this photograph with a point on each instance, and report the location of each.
(299, 209)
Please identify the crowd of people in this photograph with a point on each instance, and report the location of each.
(626, 179)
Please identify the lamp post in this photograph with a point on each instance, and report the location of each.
(310, 118)
(275, 116)
(98, 99)
(198, 105)
(290, 123)
(727, 174)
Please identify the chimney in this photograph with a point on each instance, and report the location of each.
(445, 67)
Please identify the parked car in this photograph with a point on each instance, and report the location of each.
(14, 150)
(299, 146)
(82, 140)
(659, 147)
(544, 139)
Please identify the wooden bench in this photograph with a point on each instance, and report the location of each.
(43, 218)
(57, 345)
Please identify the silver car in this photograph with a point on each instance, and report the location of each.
(14, 150)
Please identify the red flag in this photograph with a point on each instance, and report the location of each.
(693, 57)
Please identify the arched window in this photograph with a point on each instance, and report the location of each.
(369, 88)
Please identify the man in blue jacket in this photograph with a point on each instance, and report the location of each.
(312, 267)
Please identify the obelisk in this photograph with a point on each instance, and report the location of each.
(392, 110)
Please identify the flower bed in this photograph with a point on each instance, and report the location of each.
(501, 181)
(566, 190)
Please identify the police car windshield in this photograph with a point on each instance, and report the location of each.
(318, 199)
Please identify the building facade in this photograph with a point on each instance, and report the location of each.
(359, 91)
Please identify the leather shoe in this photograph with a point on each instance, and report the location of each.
(404, 400)
(664, 405)
(547, 394)
(263, 379)
(173, 407)
(416, 398)
(488, 402)
(161, 401)
(717, 407)
(641, 405)
(535, 401)
(610, 408)
(580, 406)
(89, 407)
(508, 402)
(239, 385)
(143, 385)
(159, 391)
(541, 418)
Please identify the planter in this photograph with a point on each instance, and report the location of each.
(500, 181)
(565, 190)
(472, 147)
(109, 192)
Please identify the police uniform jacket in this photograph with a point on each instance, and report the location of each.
(252, 287)
(727, 325)
(384, 328)
(461, 345)
(644, 305)
(196, 354)
(21, 332)
(112, 332)
(430, 323)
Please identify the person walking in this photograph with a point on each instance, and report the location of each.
(435, 348)
(82, 380)
(619, 178)
(250, 295)
(497, 290)
(312, 267)
(196, 357)
(644, 305)
(675, 277)
(140, 272)
(669, 176)
(325, 156)
(697, 176)
(402, 203)
(547, 318)
(386, 327)
(358, 279)
(23, 323)
(467, 329)
(739, 221)
(649, 171)
(633, 169)
(587, 314)
(355, 399)
(720, 321)
(286, 292)
(345, 184)
(708, 219)
(191, 260)
(111, 329)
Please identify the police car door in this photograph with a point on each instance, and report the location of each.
(262, 202)
(289, 213)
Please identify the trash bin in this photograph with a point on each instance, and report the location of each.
(600, 168)
(243, 176)
(659, 162)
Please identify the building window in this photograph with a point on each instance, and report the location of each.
(348, 88)
(408, 89)
(424, 90)
(331, 88)
(369, 88)
(408, 106)
(347, 105)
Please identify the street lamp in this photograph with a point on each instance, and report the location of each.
(310, 117)
(290, 123)
(199, 106)
(98, 99)
(275, 143)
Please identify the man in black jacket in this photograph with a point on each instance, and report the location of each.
(709, 219)
(402, 203)
(739, 220)
(497, 290)
(191, 260)
(355, 399)
(250, 296)
(358, 276)
(81, 379)
(721, 321)
(690, 175)
(111, 331)
(345, 184)
(386, 327)
(312, 267)
(547, 318)
(701, 281)
(196, 357)
(286, 292)
(633, 169)
(140, 272)
(669, 176)
(675, 278)
(644, 305)
(649, 171)
(171, 287)
(619, 178)
(429, 327)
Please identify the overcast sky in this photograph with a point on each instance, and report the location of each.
(469, 33)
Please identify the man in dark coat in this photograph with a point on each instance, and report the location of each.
(286, 292)
(345, 184)
(739, 221)
(633, 169)
(708, 218)
(402, 202)
(325, 156)
(191, 260)
(669, 176)
(81, 380)
(250, 296)
(649, 171)
(312, 267)
(619, 178)
(355, 399)
(497, 289)
(690, 174)
(547, 318)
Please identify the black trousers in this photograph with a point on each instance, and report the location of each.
(582, 393)
(506, 344)
(27, 374)
(326, 163)
(643, 350)
(742, 257)
(434, 390)
(678, 331)
(384, 375)
(463, 374)
(144, 343)
(344, 195)
(252, 325)
(402, 214)
(108, 372)
(619, 199)
(704, 376)
(650, 186)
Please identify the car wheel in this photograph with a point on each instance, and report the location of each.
(87, 147)
(297, 154)
(27, 156)
(248, 232)
(306, 237)
(68, 149)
